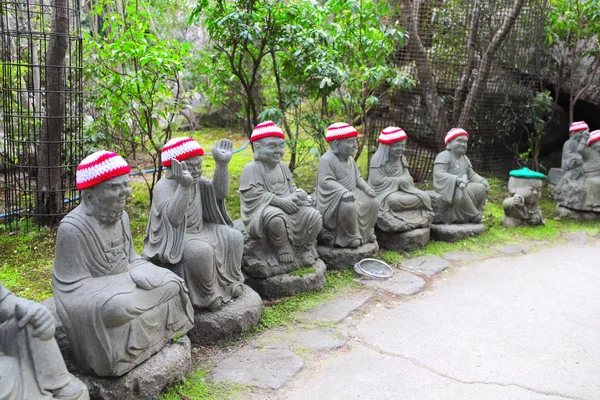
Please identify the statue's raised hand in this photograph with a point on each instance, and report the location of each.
(222, 151)
(181, 174)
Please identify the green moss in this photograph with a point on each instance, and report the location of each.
(303, 272)
(199, 386)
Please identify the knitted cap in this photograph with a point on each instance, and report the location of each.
(391, 135)
(578, 126)
(594, 137)
(340, 130)
(180, 149)
(454, 133)
(99, 167)
(266, 129)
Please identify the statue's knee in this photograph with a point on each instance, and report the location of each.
(276, 226)
(347, 208)
(197, 253)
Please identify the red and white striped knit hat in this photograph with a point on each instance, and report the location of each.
(454, 133)
(391, 135)
(99, 167)
(340, 130)
(578, 126)
(594, 137)
(180, 149)
(266, 129)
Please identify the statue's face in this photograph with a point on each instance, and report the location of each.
(108, 198)
(458, 146)
(270, 149)
(194, 165)
(578, 135)
(596, 146)
(530, 191)
(397, 149)
(344, 148)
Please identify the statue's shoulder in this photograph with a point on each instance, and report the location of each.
(443, 158)
(252, 166)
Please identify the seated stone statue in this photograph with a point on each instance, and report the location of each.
(522, 208)
(348, 204)
(590, 153)
(457, 183)
(403, 207)
(189, 228)
(272, 206)
(31, 366)
(117, 309)
(570, 156)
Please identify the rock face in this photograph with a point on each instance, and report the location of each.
(440, 208)
(403, 241)
(234, 318)
(345, 258)
(282, 285)
(454, 233)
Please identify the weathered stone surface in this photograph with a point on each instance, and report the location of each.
(321, 340)
(514, 249)
(263, 368)
(564, 212)
(577, 237)
(555, 175)
(440, 208)
(401, 283)
(290, 284)
(461, 256)
(403, 241)
(234, 318)
(147, 380)
(455, 232)
(336, 310)
(345, 258)
(425, 265)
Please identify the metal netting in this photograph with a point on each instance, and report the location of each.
(41, 109)
(443, 27)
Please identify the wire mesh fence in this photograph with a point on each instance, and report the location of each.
(454, 49)
(41, 109)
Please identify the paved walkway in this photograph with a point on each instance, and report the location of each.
(524, 325)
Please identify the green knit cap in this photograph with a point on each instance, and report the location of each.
(526, 173)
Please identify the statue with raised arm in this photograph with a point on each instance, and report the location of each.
(522, 208)
(589, 148)
(348, 204)
(31, 366)
(571, 158)
(117, 309)
(273, 208)
(403, 207)
(189, 230)
(461, 188)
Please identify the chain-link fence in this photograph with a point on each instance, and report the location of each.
(41, 109)
(452, 43)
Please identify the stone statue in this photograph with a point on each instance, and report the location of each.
(454, 179)
(31, 366)
(403, 206)
(272, 206)
(189, 229)
(117, 309)
(570, 156)
(348, 204)
(522, 208)
(589, 148)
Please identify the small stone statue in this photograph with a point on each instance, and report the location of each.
(189, 229)
(31, 366)
(524, 187)
(570, 156)
(403, 206)
(591, 169)
(117, 309)
(272, 206)
(454, 179)
(348, 204)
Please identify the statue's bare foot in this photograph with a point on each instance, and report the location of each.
(372, 237)
(74, 390)
(237, 292)
(355, 243)
(216, 305)
(286, 257)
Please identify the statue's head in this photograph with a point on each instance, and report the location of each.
(184, 149)
(577, 130)
(456, 141)
(268, 142)
(342, 139)
(594, 140)
(395, 138)
(103, 178)
(530, 189)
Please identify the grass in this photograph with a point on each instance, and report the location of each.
(303, 272)
(199, 386)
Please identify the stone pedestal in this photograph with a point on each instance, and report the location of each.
(455, 232)
(345, 258)
(578, 215)
(555, 175)
(289, 284)
(403, 241)
(234, 318)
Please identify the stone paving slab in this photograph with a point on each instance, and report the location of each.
(461, 256)
(262, 368)
(401, 283)
(318, 339)
(514, 249)
(336, 310)
(578, 237)
(425, 265)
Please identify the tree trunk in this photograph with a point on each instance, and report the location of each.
(49, 202)
(486, 63)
